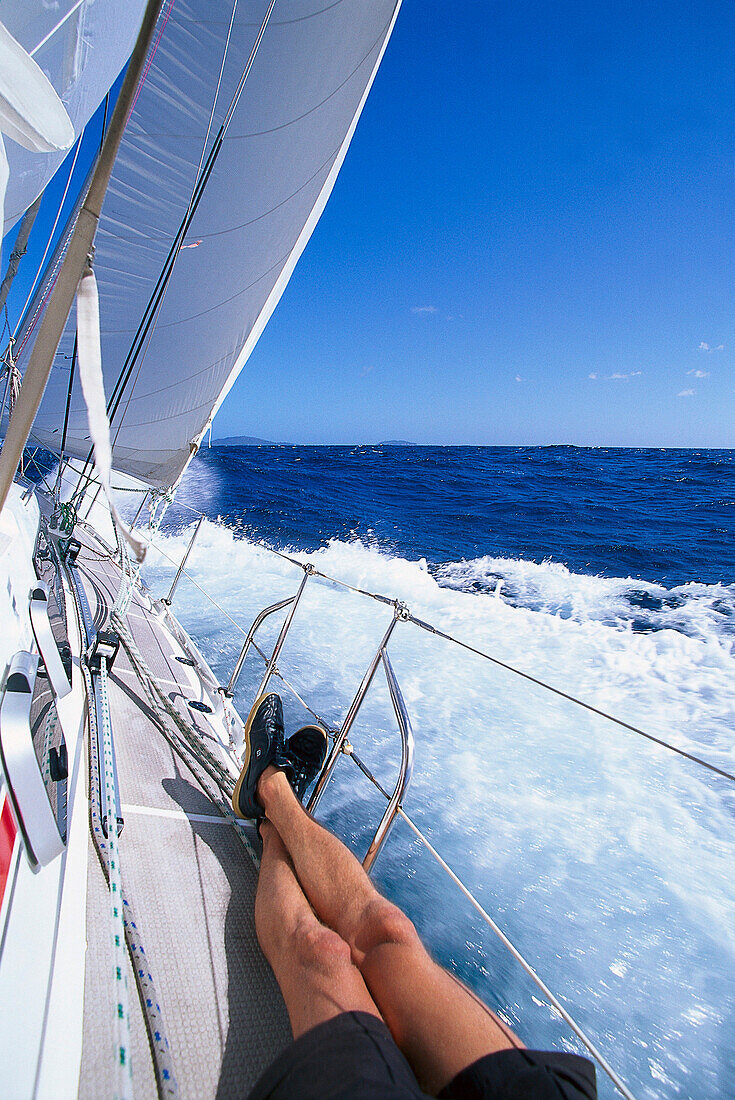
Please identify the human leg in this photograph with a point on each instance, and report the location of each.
(440, 1026)
(312, 964)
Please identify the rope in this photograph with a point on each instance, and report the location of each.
(195, 754)
(160, 1048)
(162, 704)
(123, 1059)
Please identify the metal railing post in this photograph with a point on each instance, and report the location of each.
(137, 514)
(406, 769)
(284, 631)
(229, 691)
(167, 599)
(350, 718)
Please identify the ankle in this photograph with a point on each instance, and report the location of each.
(268, 784)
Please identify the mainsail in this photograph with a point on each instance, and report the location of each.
(173, 345)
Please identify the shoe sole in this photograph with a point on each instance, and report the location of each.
(246, 759)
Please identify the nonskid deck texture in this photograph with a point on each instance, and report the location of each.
(191, 885)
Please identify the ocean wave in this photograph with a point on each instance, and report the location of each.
(606, 858)
(702, 611)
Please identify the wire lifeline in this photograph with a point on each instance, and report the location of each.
(554, 1001)
(507, 943)
(661, 742)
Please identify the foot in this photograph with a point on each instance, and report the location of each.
(263, 746)
(306, 749)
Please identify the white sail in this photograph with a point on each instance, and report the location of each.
(81, 48)
(275, 170)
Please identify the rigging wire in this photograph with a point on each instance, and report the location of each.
(155, 301)
(59, 25)
(553, 1000)
(34, 284)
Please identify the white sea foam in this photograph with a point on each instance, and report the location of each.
(608, 859)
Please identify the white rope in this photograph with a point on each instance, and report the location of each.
(554, 1001)
(123, 1060)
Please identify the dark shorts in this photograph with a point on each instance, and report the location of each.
(354, 1057)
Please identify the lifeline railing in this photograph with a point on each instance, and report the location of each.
(341, 744)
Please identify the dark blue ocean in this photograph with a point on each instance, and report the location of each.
(609, 574)
(659, 515)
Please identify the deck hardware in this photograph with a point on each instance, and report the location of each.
(28, 798)
(71, 551)
(186, 661)
(167, 599)
(140, 509)
(105, 644)
(406, 768)
(203, 708)
(282, 636)
(58, 761)
(349, 719)
(229, 691)
(45, 640)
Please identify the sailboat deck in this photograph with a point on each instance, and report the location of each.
(191, 885)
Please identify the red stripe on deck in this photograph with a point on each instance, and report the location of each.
(8, 833)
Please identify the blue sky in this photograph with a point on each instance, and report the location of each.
(531, 240)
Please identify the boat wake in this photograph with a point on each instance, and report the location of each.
(605, 857)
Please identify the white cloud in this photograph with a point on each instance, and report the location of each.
(367, 370)
(593, 375)
(423, 309)
(706, 347)
(518, 378)
(686, 393)
(699, 373)
(619, 377)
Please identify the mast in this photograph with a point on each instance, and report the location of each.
(80, 246)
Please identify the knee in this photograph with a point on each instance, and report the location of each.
(318, 948)
(384, 923)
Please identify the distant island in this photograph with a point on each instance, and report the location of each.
(244, 441)
(253, 441)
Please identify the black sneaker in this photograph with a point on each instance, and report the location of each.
(306, 750)
(263, 746)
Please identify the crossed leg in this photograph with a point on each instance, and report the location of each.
(354, 950)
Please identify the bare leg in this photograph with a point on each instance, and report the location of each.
(312, 963)
(438, 1024)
